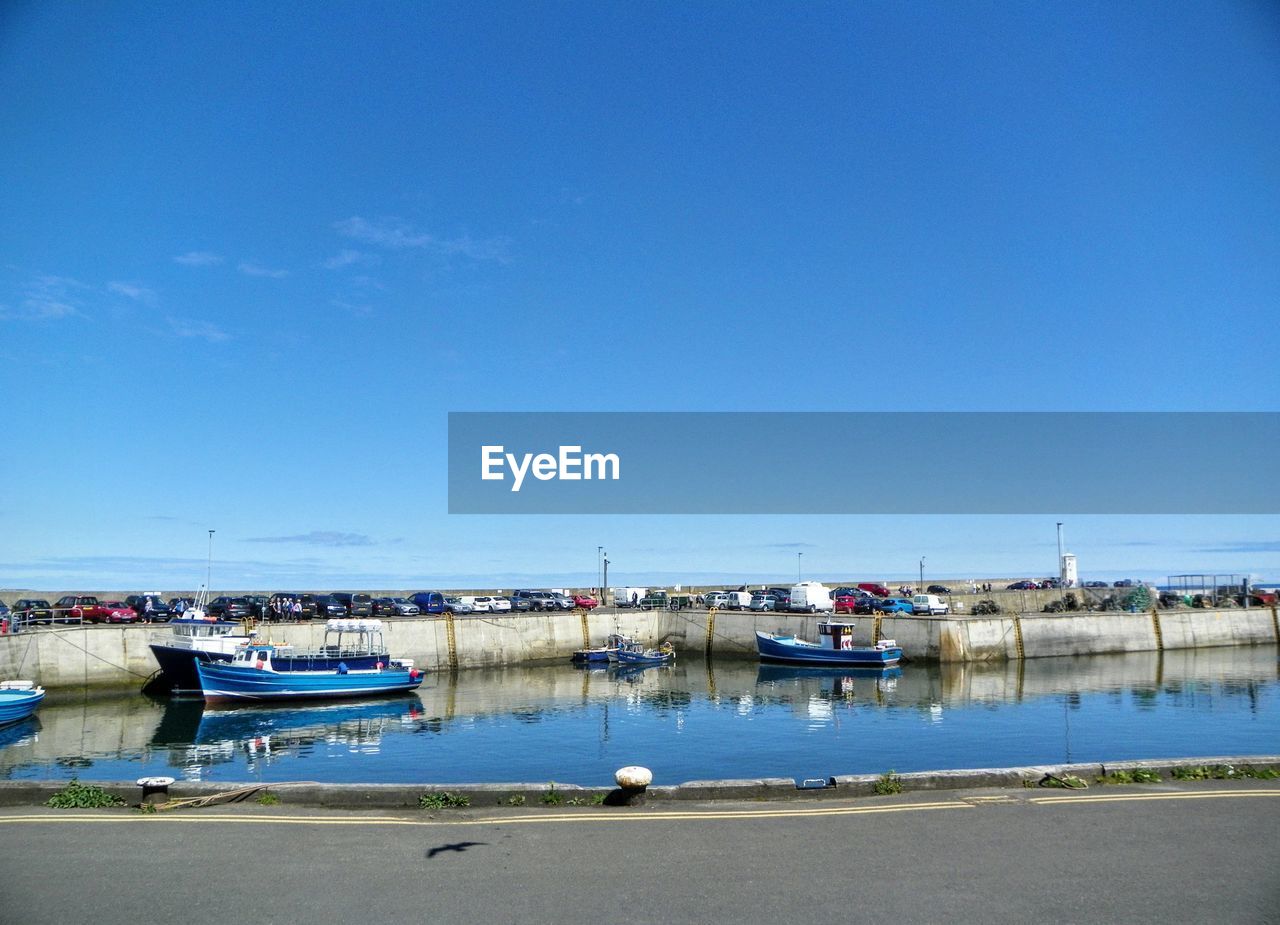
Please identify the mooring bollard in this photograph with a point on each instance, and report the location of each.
(632, 781)
(154, 788)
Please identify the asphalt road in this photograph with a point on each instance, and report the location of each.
(1204, 852)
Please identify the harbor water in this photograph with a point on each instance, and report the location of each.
(696, 720)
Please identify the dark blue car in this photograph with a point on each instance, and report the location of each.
(429, 601)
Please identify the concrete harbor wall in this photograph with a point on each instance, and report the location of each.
(78, 656)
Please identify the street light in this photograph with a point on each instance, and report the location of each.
(799, 556)
(208, 575)
(1059, 549)
(606, 569)
(599, 560)
(920, 589)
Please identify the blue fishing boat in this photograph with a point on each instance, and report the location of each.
(601, 653)
(201, 638)
(252, 675)
(834, 648)
(636, 654)
(18, 700)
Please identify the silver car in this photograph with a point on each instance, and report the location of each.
(763, 602)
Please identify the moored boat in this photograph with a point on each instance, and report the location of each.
(601, 653)
(18, 700)
(636, 654)
(834, 648)
(262, 671)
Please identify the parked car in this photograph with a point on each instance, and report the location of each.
(258, 604)
(811, 596)
(283, 601)
(1123, 583)
(159, 611)
(1094, 584)
(894, 605)
(428, 601)
(520, 604)
(357, 605)
(327, 607)
(846, 603)
(117, 612)
(937, 589)
(930, 604)
(70, 608)
(716, 599)
(540, 600)
(230, 608)
(585, 601)
(33, 610)
(455, 606)
(761, 602)
(499, 604)
(479, 604)
(875, 590)
(1022, 586)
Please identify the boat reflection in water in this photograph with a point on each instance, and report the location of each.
(264, 731)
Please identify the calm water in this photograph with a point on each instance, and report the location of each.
(691, 722)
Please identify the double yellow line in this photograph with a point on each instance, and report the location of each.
(781, 812)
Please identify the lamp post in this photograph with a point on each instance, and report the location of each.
(599, 560)
(1059, 549)
(606, 569)
(799, 556)
(920, 587)
(208, 575)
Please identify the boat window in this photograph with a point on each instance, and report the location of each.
(263, 653)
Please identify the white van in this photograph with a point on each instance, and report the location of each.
(738, 600)
(623, 597)
(478, 604)
(930, 604)
(811, 597)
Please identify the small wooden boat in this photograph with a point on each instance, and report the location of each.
(638, 655)
(835, 648)
(252, 676)
(601, 653)
(18, 700)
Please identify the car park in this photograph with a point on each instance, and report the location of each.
(33, 610)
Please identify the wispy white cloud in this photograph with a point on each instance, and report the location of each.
(198, 259)
(254, 269)
(397, 234)
(318, 538)
(133, 291)
(348, 257)
(191, 327)
(47, 297)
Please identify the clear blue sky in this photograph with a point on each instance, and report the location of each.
(251, 254)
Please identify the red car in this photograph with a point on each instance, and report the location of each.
(111, 612)
(846, 604)
(874, 589)
(585, 601)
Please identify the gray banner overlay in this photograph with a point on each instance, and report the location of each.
(864, 462)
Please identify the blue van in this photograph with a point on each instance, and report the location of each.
(429, 601)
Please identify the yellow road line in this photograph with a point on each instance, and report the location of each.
(506, 820)
(1131, 797)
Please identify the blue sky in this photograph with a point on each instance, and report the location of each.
(252, 254)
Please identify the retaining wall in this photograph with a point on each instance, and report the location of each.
(77, 656)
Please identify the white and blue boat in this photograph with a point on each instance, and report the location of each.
(636, 654)
(18, 700)
(834, 648)
(251, 675)
(612, 644)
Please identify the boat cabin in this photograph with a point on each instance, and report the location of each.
(838, 636)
